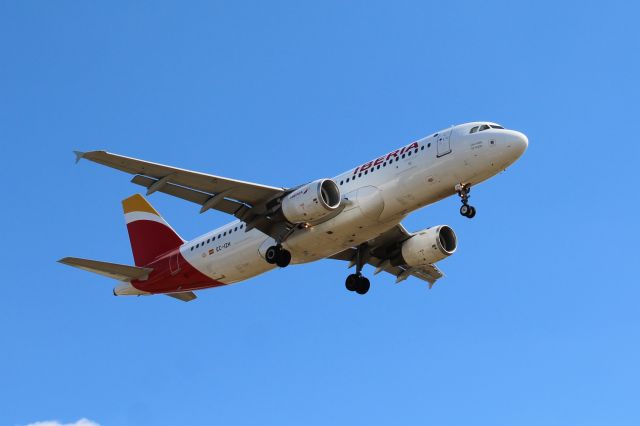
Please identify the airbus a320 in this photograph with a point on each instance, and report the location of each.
(354, 217)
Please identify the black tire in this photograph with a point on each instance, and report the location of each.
(464, 210)
(351, 283)
(472, 212)
(363, 285)
(271, 256)
(284, 258)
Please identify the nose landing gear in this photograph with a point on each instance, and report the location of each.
(278, 255)
(358, 282)
(463, 191)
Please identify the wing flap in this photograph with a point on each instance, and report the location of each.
(224, 205)
(111, 270)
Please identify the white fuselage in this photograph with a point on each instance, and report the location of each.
(377, 195)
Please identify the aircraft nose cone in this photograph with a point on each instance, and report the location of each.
(521, 143)
(517, 143)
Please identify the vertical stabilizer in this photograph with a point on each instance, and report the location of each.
(150, 235)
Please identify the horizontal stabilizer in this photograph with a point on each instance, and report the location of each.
(185, 296)
(112, 270)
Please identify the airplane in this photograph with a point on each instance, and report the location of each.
(354, 217)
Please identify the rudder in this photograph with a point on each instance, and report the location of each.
(150, 235)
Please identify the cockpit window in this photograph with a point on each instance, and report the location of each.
(484, 127)
(495, 126)
(473, 130)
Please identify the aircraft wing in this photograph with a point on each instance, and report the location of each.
(249, 202)
(379, 252)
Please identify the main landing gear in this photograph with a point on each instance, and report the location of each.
(463, 192)
(278, 255)
(358, 282)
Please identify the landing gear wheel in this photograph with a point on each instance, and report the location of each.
(467, 211)
(357, 282)
(463, 191)
(278, 256)
(284, 258)
(363, 285)
(271, 255)
(351, 283)
(472, 212)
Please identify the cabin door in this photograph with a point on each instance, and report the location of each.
(444, 142)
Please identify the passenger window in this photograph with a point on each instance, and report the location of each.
(208, 240)
(347, 180)
(191, 248)
(219, 236)
(236, 228)
(341, 182)
(422, 148)
(378, 167)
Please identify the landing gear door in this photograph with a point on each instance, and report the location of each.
(444, 142)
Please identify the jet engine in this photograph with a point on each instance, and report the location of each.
(312, 201)
(429, 246)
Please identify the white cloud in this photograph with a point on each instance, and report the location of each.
(81, 422)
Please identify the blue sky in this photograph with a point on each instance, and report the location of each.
(537, 320)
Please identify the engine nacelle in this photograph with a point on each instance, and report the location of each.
(429, 246)
(312, 201)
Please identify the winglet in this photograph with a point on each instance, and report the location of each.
(79, 155)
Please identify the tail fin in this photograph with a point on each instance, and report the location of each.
(149, 234)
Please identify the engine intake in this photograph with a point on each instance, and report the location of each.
(312, 201)
(429, 246)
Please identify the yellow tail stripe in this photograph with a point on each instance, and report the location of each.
(137, 203)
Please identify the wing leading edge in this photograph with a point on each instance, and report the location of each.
(210, 191)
